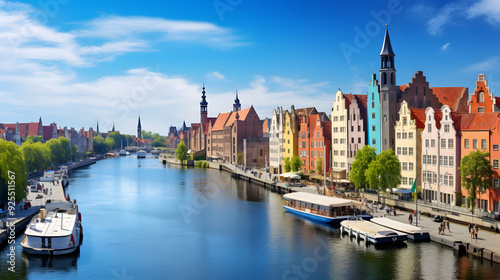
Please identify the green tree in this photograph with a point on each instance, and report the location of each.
(35, 138)
(181, 153)
(66, 147)
(99, 146)
(384, 172)
(36, 155)
(319, 166)
(147, 135)
(296, 163)
(360, 164)
(75, 155)
(476, 173)
(110, 143)
(160, 142)
(13, 172)
(240, 158)
(116, 136)
(57, 152)
(288, 164)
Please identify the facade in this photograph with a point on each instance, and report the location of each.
(255, 152)
(290, 134)
(373, 115)
(276, 141)
(482, 134)
(482, 101)
(356, 127)
(408, 130)
(340, 134)
(215, 142)
(314, 141)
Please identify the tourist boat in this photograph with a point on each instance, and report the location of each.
(56, 230)
(326, 209)
(141, 154)
(372, 232)
(123, 153)
(414, 232)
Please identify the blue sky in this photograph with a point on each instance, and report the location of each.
(76, 62)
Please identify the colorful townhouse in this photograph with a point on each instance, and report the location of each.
(314, 141)
(276, 141)
(290, 134)
(356, 127)
(373, 115)
(441, 154)
(482, 101)
(408, 131)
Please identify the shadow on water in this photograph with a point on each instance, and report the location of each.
(66, 262)
(250, 192)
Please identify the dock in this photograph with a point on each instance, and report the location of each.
(414, 232)
(371, 232)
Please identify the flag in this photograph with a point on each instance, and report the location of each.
(414, 187)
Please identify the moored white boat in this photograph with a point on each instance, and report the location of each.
(326, 209)
(123, 153)
(371, 232)
(141, 154)
(56, 230)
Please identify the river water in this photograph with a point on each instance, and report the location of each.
(145, 220)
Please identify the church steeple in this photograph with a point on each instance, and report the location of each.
(387, 67)
(113, 129)
(236, 105)
(97, 128)
(139, 128)
(203, 106)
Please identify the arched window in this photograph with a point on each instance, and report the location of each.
(481, 97)
(384, 78)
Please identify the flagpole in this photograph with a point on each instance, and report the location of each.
(416, 206)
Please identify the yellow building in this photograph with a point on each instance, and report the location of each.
(408, 130)
(290, 135)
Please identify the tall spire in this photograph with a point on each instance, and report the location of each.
(236, 105)
(113, 129)
(387, 47)
(139, 128)
(97, 127)
(203, 106)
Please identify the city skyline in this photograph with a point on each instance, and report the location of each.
(78, 63)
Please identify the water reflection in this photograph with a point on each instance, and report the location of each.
(250, 192)
(63, 263)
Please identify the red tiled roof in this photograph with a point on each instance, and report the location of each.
(242, 115)
(306, 111)
(483, 121)
(455, 97)
(195, 126)
(438, 116)
(461, 121)
(418, 114)
(362, 100)
(86, 133)
(265, 126)
(205, 128)
(348, 99)
(221, 121)
(147, 141)
(31, 127)
(402, 88)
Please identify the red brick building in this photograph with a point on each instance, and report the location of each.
(314, 139)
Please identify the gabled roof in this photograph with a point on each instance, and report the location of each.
(221, 121)
(242, 115)
(402, 88)
(362, 100)
(205, 127)
(483, 121)
(418, 114)
(461, 121)
(348, 99)
(455, 97)
(265, 126)
(306, 111)
(32, 128)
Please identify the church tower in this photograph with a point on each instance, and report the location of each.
(139, 129)
(236, 105)
(388, 94)
(203, 106)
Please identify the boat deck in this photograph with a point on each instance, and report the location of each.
(414, 232)
(52, 227)
(371, 232)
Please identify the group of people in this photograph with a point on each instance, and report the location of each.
(444, 225)
(473, 229)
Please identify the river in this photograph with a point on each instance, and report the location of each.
(145, 220)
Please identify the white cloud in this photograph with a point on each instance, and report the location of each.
(216, 75)
(487, 8)
(445, 46)
(491, 63)
(436, 24)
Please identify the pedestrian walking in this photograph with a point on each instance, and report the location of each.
(470, 228)
(410, 218)
(476, 230)
(448, 225)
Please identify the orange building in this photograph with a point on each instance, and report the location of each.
(483, 134)
(315, 136)
(482, 101)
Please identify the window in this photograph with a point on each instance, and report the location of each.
(434, 160)
(440, 160)
(288, 141)
(341, 118)
(495, 147)
(450, 161)
(483, 144)
(335, 141)
(342, 129)
(405, 135)
(427, 143)
(399, 150)
(404, 120)
(359, 140)
(429, 128)
(410, 135)
(373, 106)
(410, 180)
(433, 143)
(374, 141)
(445, 181)
(335, 152)
(317, 134)
(450, 180)
(405, 166)
(410, 151)
(303, 135)
(335, 129)
(398, 135)
(495, 163)
(359, 128)
(410, 167)
(480, 109)
(373, 115)
(445, 161)
(342, 152)
(352, 128)
(446, 128)
(481, 97)
(474, 143)
(466, 143)
(353, 117)
(496, 183)
(405, 151)
(450, 143)
(373, 128)
(352, 140)
(443, 143)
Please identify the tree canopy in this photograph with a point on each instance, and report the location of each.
(476, 173)
(296, 163)
(35, 138)
(57, 152)
(360, 164)
(36, 155)
(384, 172)
(181, 153)
(319, 166)
(12, 170)
(288, 164)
